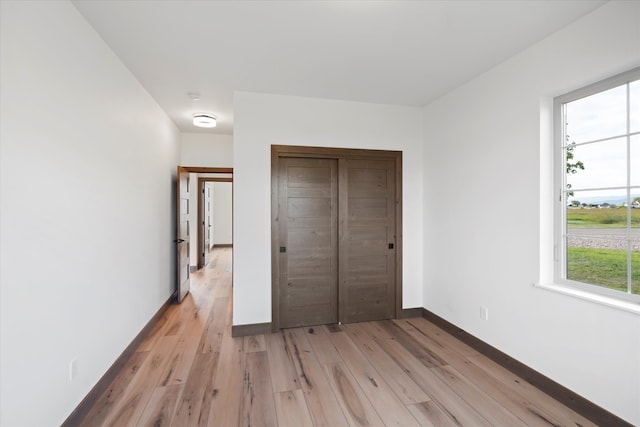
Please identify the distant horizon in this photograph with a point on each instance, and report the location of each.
(611, 199)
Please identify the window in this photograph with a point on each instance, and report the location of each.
(597, 166)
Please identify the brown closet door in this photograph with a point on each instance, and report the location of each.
(308, 241)
(367, 240)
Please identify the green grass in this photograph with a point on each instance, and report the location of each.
(601, 218)
(605, 267)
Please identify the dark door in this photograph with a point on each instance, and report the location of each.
(337, 234)
(182, 238)
(308, 241)
(367, 240)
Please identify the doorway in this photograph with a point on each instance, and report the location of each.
(189, 220)
(215, 214)
(336, 235)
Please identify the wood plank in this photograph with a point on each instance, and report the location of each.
(509, 394)
(429, 414)
(506, 395)
(161, 407)
(490, 409)
(110, 398)
(390, 409)
(538, 403)
(292, 409)
(355, 405)
(323, 405)
(128, 410)
(440, 335)
(258, 407)
(281, 365)
(195, 402)
(424, 354)
(160, 329)
(184, 312)
(456, 407)
(211, 340)
(403, 386)
(227, 392)
(222, 288)
(324, 350)
(180, 361)
(203, 299)
(254, 343)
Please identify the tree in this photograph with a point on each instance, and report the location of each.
(572, 167)
(575, 203)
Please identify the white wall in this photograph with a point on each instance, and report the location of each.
(484, 164)
(262, 120)
(222, 213)
(202, 149)
(87, 213)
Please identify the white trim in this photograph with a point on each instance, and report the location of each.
(616, 303)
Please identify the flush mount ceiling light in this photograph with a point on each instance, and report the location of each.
(204, 120)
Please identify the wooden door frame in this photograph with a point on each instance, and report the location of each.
(200, 237)
(203, 169)
(181, 237)
(279, 151)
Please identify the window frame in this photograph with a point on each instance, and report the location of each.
(559, 179)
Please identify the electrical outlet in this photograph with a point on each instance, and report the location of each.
(484, 313)
(73, 369)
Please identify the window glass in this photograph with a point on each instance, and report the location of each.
(634, 89)
(592, 260)
(600, 173)
(601, 164)
(598, 116)
(634, 154)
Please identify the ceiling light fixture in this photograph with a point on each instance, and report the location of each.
(204, 120)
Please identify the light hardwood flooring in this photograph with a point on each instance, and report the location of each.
(189, 371)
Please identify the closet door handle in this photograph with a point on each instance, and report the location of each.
(390, 245)
(283, 249)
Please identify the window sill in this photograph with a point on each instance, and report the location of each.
(630, 307)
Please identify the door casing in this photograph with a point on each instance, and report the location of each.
(179, 293)
(281, 151)
(201, 219)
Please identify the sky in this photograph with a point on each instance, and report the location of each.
(600, 116)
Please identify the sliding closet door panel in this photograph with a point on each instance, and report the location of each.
(367, 240)
(308, 242)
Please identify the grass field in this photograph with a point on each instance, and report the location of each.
(601, 218)
(603, 267)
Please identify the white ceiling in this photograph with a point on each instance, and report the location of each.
(389, 52)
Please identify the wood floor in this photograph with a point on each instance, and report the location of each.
(189, 371)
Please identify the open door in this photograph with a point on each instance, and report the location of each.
(207, 218)
(182, 239)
